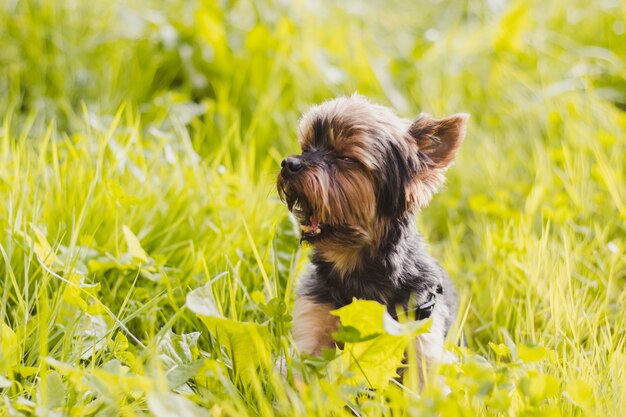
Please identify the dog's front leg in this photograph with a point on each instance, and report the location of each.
(313, 325)
(430, 346)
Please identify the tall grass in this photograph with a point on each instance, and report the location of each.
(138, 151)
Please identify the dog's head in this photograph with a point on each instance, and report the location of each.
(362, 166)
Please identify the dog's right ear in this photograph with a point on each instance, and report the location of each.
(438, 141)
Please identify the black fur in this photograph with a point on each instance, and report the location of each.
(401, 269)
(391, 197)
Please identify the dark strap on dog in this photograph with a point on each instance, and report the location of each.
(424, 310)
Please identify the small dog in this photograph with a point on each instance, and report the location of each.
(362, 174)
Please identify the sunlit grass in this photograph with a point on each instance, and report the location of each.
(138, 151)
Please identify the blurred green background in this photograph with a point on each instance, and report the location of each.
(139, 145)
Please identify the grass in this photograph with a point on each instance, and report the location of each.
(139, 146)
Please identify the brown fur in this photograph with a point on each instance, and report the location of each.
(313, 325)
(439, 140)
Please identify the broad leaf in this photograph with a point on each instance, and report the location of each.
(177, 349)
(539, 387)
(90, 335)
(180, 374)
(44, 250)
(134, 246)
(375, 344)
(527, 353)
(500, 349)
(202, 302)
(580, 393)
(9, 350)
(55, 391)
(246, 343)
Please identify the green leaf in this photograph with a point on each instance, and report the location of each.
(121, 341)
(134, 246)
(56, 390)
(274, 308)
(365, 316)
(44, 250)
(121, 197)
(9, 350)
(90, 335)
(202, 302)
(247, 344)
(370, 317)
(100, 264)
(178, 348)
(180, 374)
(258, 297)
(580, 393)
(527, 353)
(375, 344)
(498, 400)
(113, 377)
(477, 376)
(500, 349)
(539, 387)
(350, 334)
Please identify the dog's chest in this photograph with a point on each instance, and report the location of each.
(376, 284)
(393, 275)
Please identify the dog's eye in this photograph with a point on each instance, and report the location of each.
(347, 159)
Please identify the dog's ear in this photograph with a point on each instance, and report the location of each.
(438, 141)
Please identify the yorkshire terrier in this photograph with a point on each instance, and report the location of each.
(362, 175)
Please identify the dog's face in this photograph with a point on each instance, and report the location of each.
(362, 166)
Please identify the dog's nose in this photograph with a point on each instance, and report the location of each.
(292, 164)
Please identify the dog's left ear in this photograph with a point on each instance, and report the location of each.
(438, 141)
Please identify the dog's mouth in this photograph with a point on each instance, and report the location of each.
(311, 229)
(314, 226)
(311, 225)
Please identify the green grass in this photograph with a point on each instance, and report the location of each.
(138, 150)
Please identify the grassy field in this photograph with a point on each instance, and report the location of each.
(147, 266)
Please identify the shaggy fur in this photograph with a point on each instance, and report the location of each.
(362, 175)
